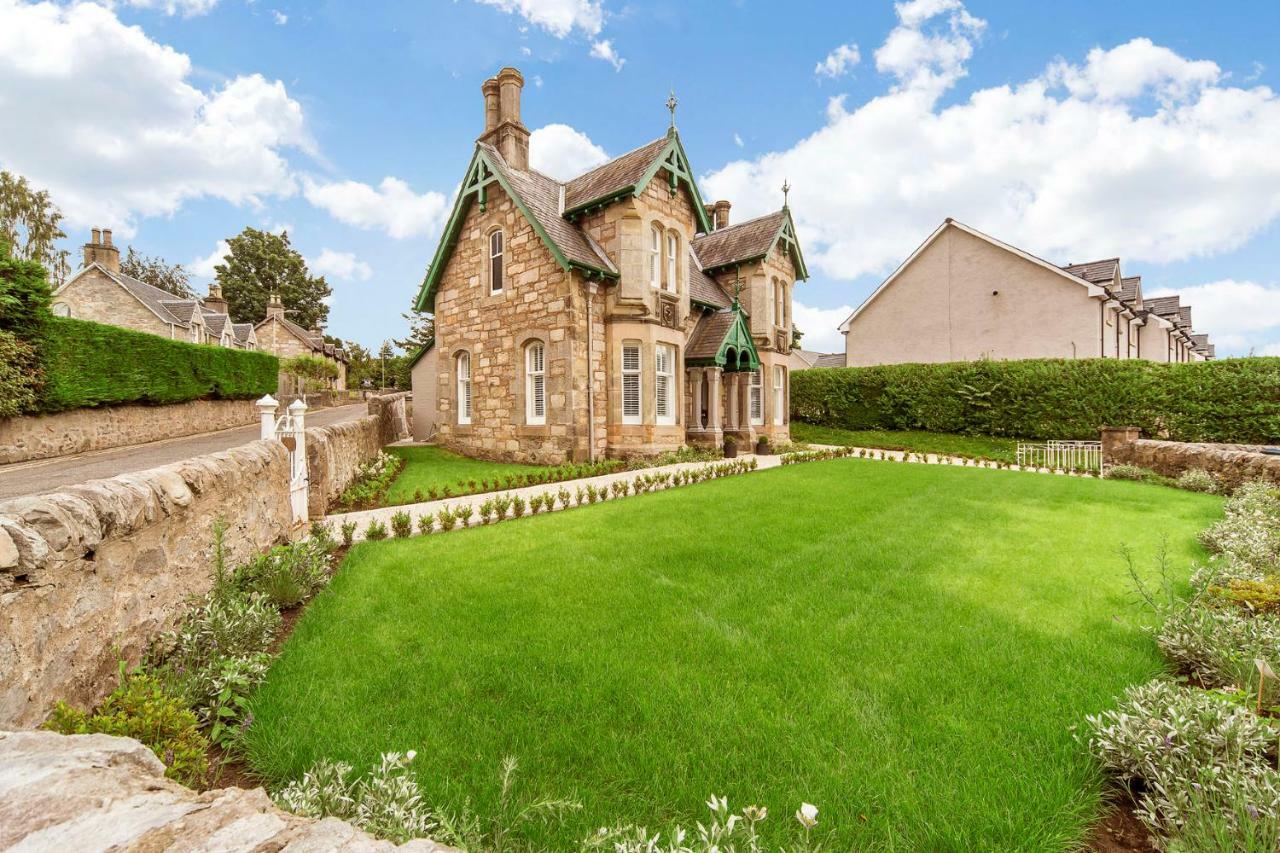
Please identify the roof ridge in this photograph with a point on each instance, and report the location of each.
(745, 222)
(618, 157)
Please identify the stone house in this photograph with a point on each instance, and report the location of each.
(963, 295)
(279, 335)
(613, 314)
(101, 293)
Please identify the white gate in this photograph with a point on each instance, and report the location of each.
(290, 429)
(1061, 455)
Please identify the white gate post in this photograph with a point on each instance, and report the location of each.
(267, 414)
(298, 493)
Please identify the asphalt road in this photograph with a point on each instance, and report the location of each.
(43, 475)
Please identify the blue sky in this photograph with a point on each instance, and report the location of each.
(1075, 130)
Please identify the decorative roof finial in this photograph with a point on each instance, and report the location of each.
(786, 190)
(671, 105)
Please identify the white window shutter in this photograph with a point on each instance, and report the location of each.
(631, 383)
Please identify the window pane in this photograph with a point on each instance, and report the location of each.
(631, 383)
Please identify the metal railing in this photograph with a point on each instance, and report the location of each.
(1061, 455)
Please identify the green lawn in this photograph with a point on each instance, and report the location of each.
(907, 644)
(428, 466)
(973, 446)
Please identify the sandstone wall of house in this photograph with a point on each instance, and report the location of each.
(95, 297)
(97, 792)
(45, 436)
(1231, 466)
(94, 572)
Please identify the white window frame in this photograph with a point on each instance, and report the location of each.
(535, 383)
(780, 304)
(497, 274)
(779, 394)
(631, 369)
(664, 384)
(462, 371)
(673, 260)
(755, 397)
(655, 256)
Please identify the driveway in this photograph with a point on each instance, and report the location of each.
(44, 475)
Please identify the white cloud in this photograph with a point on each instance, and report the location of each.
(203, 267)
(603, 49)
(839, 61)
(115, 129)
(737, 140)
(558, 17)
(1134, 152)
(341, 265)
(392, 206)
(280, 17)
(562, 152)
(820, 326)
(186, 8)
(1237, 315)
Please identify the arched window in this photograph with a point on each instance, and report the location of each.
(664, 384)
(655, 256)
(779, 394)
(631, 382)
(496, 247)
(464, 387)
(672, 282)
(61, 309)
(779, 303)
(755, 392)
(535, 383)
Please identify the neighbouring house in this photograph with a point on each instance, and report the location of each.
(279, 335)
(422, 376)
(963, 295)
(803, 359)
(613, 314)
(101, 293)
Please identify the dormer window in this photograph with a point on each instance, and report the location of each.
(655, 256)
(496, 247)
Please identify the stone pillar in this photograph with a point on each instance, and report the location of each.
(731, 422)
(713, 399)
(695, 399)
(1114, 439)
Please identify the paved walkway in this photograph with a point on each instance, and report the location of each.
(416, 510)
(43, 475)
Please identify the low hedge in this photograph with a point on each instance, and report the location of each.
(1233, 400)
(92, 364)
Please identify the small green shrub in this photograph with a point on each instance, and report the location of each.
(387, 802)
(401, 525)
(371, 482)
(446, 518)
(375, 531)
(287, 575)
(1197, 480)
(348, 533)
(425, 524)
(517, 506)
(1249, 531)
(1129, 472)
(140, 708)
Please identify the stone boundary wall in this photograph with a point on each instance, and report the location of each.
(94, 572)
(97, 792)
(45, 436)
(335, 453)
(1229, 465)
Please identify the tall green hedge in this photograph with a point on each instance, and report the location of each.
(91, 364)
(1233, 400)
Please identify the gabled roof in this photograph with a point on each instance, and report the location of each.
(1093, 289)
(1162, 306)
(750, 241)
(1131, 288)
(186, 310)
(830, 359)
(1200, 342)
(620, 173)
(312, 339)
(703, 289)
(723, 339)
(216, 323)
(1098, 272)
(242, 331)
(1184, 315)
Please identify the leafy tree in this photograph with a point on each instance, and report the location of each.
(361, 364)
(157, 273)
(24, 316)
(259, 263)
(31, 224)
(796, 335)
(314, 371)
(422, 331)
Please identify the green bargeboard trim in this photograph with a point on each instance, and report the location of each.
(787, 234)
(737, 336)
(480, 173)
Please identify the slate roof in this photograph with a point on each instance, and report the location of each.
(703, 288)
(1184, 315)
(242, 331)
(1200, 342)
(830, 359)
(541, 195)
(709, 334)
(618, 174)
(1130, 287)
(1164, 306)
(749, 239)
(1095, 271)
(149, 295)
(310, 338)
(215, 323)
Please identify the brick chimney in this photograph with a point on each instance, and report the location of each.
(215, 301)
(502, 126)
(99, 250)
(721, 209)
(275, 308)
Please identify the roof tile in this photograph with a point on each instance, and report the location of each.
(749, 239)
(619, 173)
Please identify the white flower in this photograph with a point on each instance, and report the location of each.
(807, 815)
(410, 755)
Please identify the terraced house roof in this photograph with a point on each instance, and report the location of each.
(1097, 272)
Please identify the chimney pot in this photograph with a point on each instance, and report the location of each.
(100, 251)
(491, 113)
(510, 136)
(722, 214)
(106, 236)
(97, 237)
